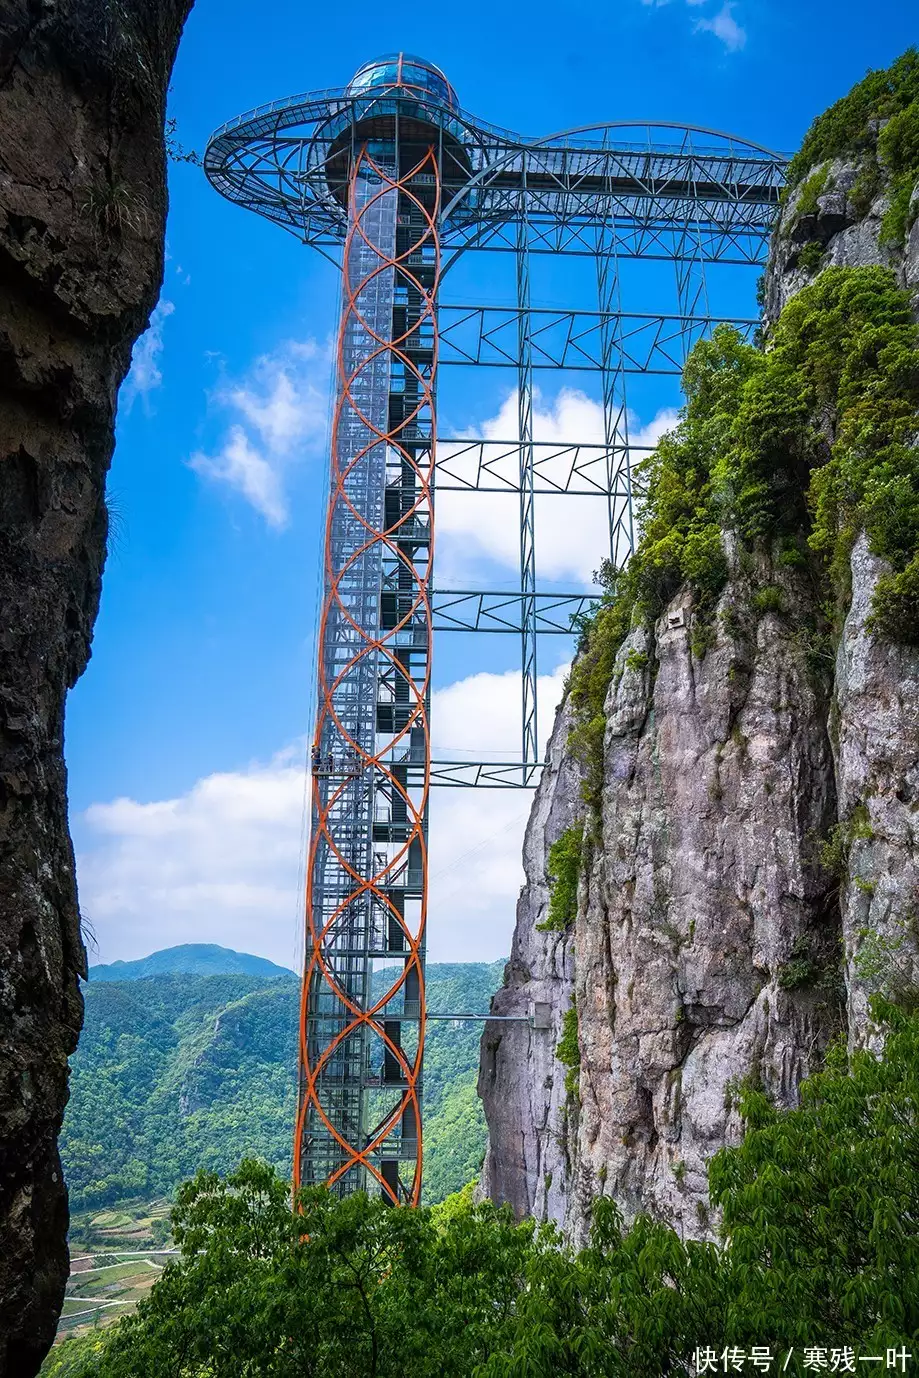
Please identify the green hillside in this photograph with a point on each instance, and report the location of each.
(180, 1071)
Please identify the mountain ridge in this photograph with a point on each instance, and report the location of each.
(191, 959)
(180, 1070)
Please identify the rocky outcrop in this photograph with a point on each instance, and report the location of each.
(876, 743)
(706, 944)
(528, 1161)
(840, 225)
(875, 719)
(82, 211)
(750, 874)
(706, 952)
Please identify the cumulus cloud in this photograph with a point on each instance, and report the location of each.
(276, 415)
(222, 862)
(572, 533)
(145, 373)
(476, 835)
(217, 864)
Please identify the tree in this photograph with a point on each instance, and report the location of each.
(820, 1209)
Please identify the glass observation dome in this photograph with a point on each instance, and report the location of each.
(402, 69)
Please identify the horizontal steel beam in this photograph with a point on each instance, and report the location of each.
(496, 610)
(572, 468)
(486, 774)
(641, 230)
(489, 336)
(289, 162)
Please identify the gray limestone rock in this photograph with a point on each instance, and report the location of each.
(706, 946)
(848, 232)
(751, 875)
(520, 1079)
(707, 936)
(876, 742)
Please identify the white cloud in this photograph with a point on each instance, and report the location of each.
(145, 374)
(247, 470)
(276, 415)
(572, 533)
(724, 26)
(222, 862)
(476, 835)
(218, 864)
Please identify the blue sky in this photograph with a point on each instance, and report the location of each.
(184, 738)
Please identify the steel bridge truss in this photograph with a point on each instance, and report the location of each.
(397, 187)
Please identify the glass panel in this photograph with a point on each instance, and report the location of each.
(428, 80)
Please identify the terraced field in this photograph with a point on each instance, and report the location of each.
(116, 1256)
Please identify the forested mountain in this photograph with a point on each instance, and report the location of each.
(179, 1071)
(198, 959)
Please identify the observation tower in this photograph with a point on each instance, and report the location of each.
(396, 184)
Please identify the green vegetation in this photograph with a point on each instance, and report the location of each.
(751, 454)
(884, 963)
(834, 851)
(637, 660)
(812, 190)
(768, 599)
(846, 126)
(850, 128)
(801, 968)
(898, 149)
(811, 256)
(179, 1072)
(192, 959)
(563, 869)
(568, 1050)
(820, 1211)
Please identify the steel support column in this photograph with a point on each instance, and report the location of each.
(615, 401)
(362, 1018)
(689, 264)
(530, 731)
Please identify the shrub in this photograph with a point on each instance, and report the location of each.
(820, 1240)
(800, 969)
(752, 453)
(895, 609)
(811, 256)
(846, 126)
(813, 188)
(898, 148)
(568, 1050)
(563, 869)
(770, 598)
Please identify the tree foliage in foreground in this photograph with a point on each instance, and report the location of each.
(821, 1247)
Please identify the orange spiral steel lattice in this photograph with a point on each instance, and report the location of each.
(362, 1019)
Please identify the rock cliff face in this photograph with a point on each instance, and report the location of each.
(82, 211)
(750, 867)
(875, 731)
(836, 223)
(530, 1140)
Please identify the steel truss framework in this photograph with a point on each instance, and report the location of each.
(396, 184)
